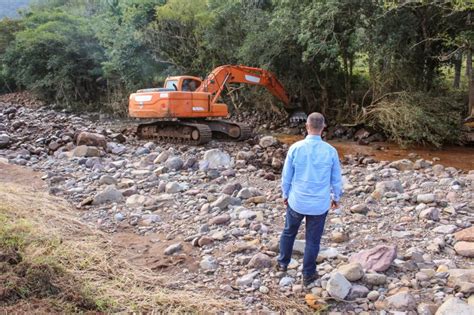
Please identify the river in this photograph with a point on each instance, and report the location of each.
(455, 156)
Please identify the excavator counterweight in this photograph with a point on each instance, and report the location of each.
(186, 109)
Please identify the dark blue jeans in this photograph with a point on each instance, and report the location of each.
(314, 231)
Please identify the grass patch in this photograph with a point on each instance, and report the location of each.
(51, 262)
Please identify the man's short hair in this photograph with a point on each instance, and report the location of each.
(316, 121)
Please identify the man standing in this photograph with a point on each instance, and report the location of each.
(310, 174)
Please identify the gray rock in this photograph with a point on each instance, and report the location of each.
(4, 141)
(107, 180)
(373, 295)
(260, 261)
(425, 198)
(230, 188)
(247, 214)
(209, 263)
(149, 219)
(375, 278)
(85, 151)
(109, 194)
(357, 292)
(220, 219)
(402, 165)
(286, 281)
(222, 202)
(142, 151)
(173, 187)
(214, 159)
(268, 141)
(189, 163)
(247, 279)
(426, 309)
(360, 208)
(299, 246)
(338, 286)
(389, 186)
(445, 229)
(119, 216)
(248, 192)
(136, 201)
(327, 253)
(456, 306)
(174, 163)
(170, 250)
(116, 148)
(430, 214)
(402, 301)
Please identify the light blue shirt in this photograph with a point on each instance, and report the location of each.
(311, 173)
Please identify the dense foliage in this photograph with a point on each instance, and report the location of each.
(337, 57)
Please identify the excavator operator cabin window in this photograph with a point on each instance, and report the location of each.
(190, 85)
(171, 84)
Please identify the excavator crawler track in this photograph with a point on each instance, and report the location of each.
(176, 132)
(233, 130)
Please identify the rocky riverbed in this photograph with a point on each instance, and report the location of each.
(209, 217)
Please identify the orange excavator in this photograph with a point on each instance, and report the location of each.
(186, 109)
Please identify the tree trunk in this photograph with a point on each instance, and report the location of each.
(470, 78)
(457, 70)
(470, 75)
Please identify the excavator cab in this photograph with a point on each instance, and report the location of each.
(182, 83)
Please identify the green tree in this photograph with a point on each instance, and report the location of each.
(57, 57)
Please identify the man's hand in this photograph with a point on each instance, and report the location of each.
(285, 201)
(334, 204)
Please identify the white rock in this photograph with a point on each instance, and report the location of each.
(214, 159)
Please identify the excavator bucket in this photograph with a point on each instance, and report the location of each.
(298, 116)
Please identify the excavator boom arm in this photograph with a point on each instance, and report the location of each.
(219, 77)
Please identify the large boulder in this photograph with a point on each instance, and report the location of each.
(377, 259)
(214, 159)
(91, 139)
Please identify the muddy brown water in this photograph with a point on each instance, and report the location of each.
(455, 156)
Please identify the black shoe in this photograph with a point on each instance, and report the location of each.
(282, 268)
(309, 279)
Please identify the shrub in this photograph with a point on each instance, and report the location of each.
(408, 118)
